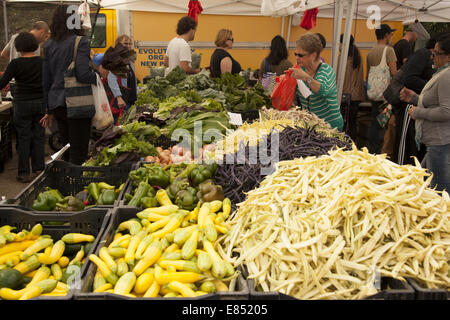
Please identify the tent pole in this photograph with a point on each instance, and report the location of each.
(5, 21)
(282, 26)
(337, 26)
(289, 30)
(351, 7)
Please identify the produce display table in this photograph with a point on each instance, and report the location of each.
(288, 208)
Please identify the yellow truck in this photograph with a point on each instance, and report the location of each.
(151, 32)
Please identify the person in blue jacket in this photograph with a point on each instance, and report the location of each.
(58, 54)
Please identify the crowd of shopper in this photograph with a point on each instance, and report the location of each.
(418, 126)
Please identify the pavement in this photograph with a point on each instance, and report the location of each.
(9, 186)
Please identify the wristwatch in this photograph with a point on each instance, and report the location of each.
(309, 80)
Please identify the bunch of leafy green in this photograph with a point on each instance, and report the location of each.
(162, 88)
(211, 104)
(213, 126)
(124, 146)
(199, 81)
(211, 93)
(228, 81)
(142, 131)
(147, 97)
(176, 75)
(165, 107)
(191, 96)
(241, 97)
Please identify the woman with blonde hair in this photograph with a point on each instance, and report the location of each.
(221, 59)
(122, 92)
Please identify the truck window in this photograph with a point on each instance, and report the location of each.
(98, 39)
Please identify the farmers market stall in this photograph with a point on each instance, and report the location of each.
(278, 206)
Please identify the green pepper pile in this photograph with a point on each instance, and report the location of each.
(185, 184)
(96, 193)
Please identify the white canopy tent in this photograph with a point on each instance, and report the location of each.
(406, 11)
(392, 10)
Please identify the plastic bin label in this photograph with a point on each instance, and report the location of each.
(235, 118)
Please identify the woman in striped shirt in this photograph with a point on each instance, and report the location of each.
(320, 78)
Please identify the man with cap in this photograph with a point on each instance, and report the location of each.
(384, 35)
(404, 47)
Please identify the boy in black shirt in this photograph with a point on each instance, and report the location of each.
(29, 106)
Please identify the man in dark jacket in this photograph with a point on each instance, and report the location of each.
(418, 70)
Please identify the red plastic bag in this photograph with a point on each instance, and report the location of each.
(284, 91)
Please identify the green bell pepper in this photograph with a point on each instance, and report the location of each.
(158, 177)
(44, 202)
(174, 170)
(185, 200)
(47, 200)
(107, 197)
(208, 191)
(70, 203)
(202, 172)
(149, 202)
(176, 186)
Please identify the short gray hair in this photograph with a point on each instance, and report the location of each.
(310, 43)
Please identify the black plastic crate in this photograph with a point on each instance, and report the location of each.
(423, 293)
(250, 116)
(128, 187)
(92, 221)
(122, 214)
(69, 179)
(391, 289)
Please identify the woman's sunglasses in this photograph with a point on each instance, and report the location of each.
(231, 39)
(300, 55)
(437, 53)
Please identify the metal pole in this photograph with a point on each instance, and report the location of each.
(289, 31)
(5, 21)
(351, 6)
(337, 26)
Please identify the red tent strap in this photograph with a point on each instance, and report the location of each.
(309, 19)
(195, 8)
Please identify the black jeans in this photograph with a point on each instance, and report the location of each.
(76, 132)
(349, 111)
(30, 135)
(376, 132)
(410, 147)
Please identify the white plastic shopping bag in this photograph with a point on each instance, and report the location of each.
(103, 117)
(84, 11)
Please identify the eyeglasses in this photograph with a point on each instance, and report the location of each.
(439, 53)
(300, 55)
(231, 39)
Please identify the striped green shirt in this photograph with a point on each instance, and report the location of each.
(324, 103)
